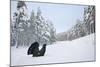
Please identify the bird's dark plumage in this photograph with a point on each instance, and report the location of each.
(42, 51)
(33, 47)
(34, 50)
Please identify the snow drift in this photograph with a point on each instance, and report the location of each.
(81, 49)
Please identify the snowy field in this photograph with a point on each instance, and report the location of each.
(82, 49)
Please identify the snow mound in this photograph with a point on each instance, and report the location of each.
(81, 49)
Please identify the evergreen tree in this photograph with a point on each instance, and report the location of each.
(20, 23)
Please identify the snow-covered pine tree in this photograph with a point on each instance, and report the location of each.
(20, 23)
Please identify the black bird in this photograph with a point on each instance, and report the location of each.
(42, 51)
(33, 48)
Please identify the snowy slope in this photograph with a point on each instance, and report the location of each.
(82, 49)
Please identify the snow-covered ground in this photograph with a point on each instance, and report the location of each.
(82, 49)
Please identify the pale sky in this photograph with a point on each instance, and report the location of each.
(63, 16)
